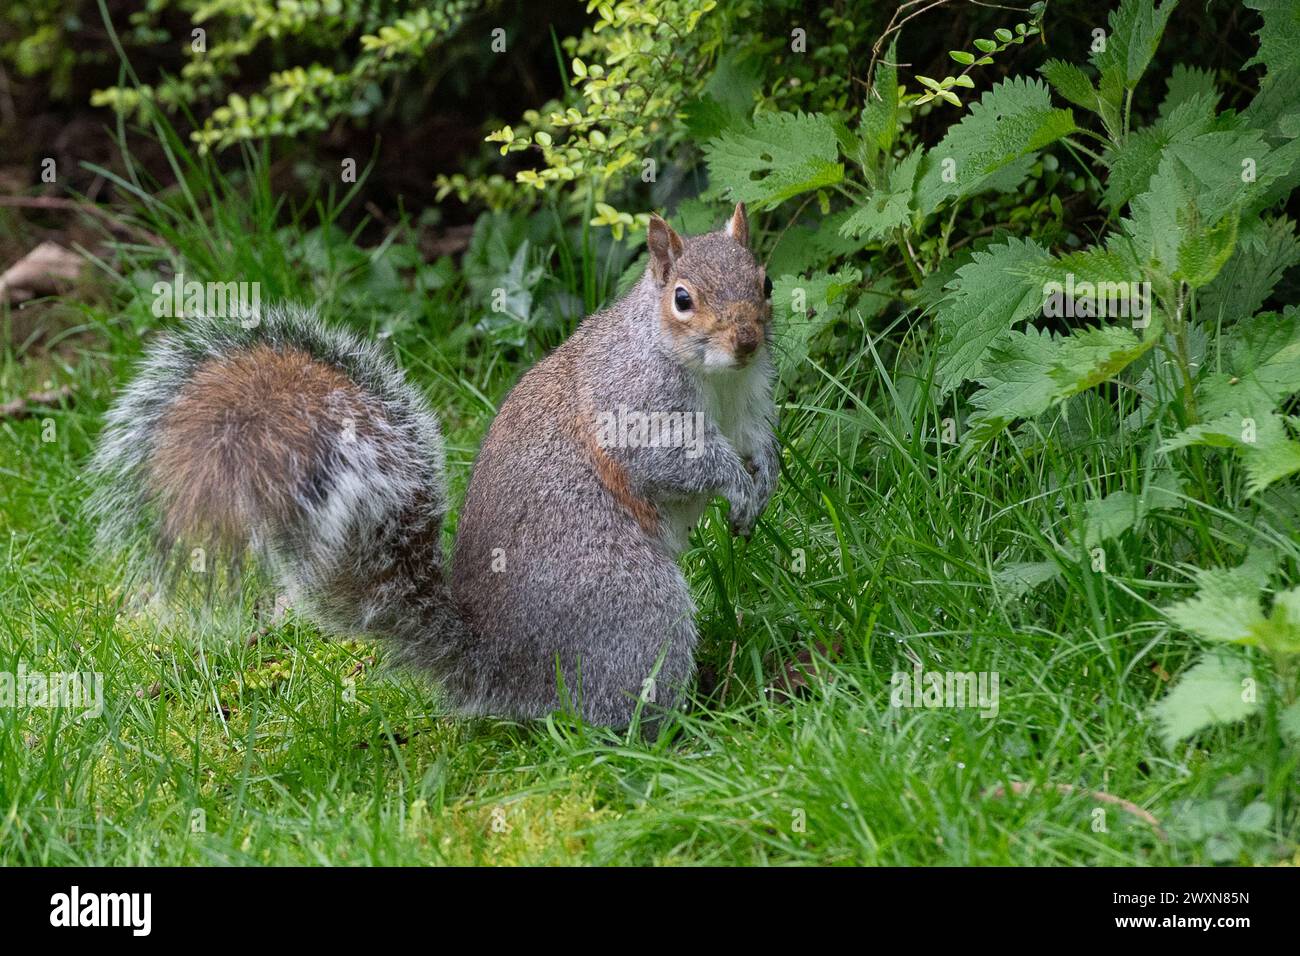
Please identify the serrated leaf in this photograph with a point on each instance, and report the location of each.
(1070, 83)
(1109, 517)
(1197, 184)
(1186, 83)
(1012, 120)
(1288, 723)
(1101, 282)
(1272, 457)
(1261, 441)
(1095, 355)
(1133, 164)
(781, 155)
(1265, 250)
(994, 291)
(1202, 254)
(1226, 605)
(1026, 373)
(879, 124)
(803, 307)
(1135, 30)
(1279, 37)
(886, 209)
(1209, 693)
(1256, 818)
(1279, 633)
(1260, 369)
(1016, 379)
(1018, 578)
(1275, 108)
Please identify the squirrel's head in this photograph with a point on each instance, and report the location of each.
(713, 294)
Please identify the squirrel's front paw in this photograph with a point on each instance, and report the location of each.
(744, 515)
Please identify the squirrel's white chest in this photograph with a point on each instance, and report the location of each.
(739, 404)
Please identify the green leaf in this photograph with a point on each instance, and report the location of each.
(1024, 374)
(1260, 369)
(1265, 250)
(1107, 518)
(1020, 577)
(803, 247)
(1135, 30)
(1202, 254)
(1186, 83)
(1070, 83)
(1262, 442)
(994, 291)
(1211, 692)
(803, 307)
(879, 123)
(886, 209)
(781, 155)
(1256, 818)
(1197, 184)
(1225, 607)
(1012, 120)
(1096, 355)
(727, 100)
(1288, 723)
(1273, 455)
(1279, 37)
(1279, 633)
(962, 57)
(1133, 164)
(1016, 376)
(1275, 109)
(1102, 282)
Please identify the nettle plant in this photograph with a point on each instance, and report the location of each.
(648, 81)
(1160, 316)
(1164, 311)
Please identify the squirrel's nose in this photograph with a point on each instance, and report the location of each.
(746, 343)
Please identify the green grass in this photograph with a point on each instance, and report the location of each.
(298, 749)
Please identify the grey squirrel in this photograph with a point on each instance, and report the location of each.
(306, 446)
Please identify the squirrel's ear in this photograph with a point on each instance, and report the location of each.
(665, 246)
(738, 225)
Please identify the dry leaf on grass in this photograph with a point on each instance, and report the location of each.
(22, 407)
(46, 270)
(797, 675)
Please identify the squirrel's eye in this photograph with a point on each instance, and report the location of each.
(767, 286)
(682, 299)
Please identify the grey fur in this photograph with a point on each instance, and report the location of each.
(558, 594)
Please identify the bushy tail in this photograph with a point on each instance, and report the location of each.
(301, 444)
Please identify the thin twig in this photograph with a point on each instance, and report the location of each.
(726, 680)
(1020, 788)
(22, 407)
(59, 202)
